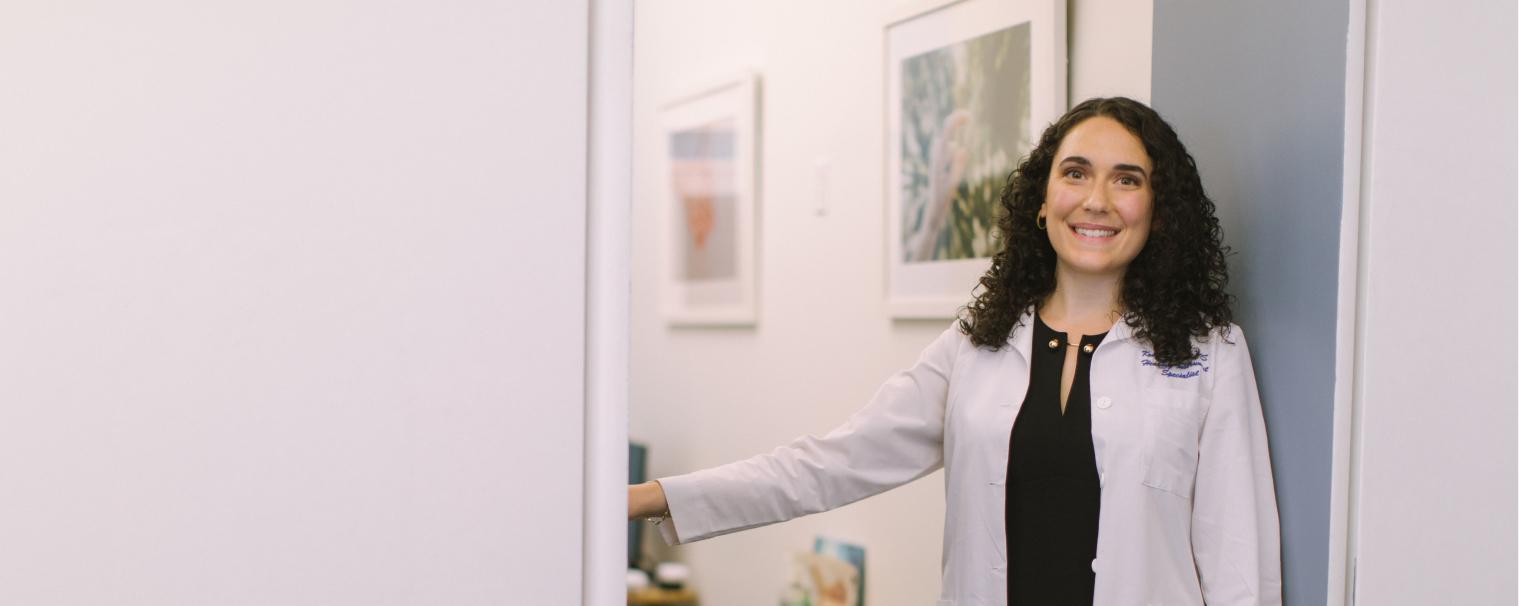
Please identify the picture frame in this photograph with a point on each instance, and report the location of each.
(850, 553)
(708, 192)
(969, 87)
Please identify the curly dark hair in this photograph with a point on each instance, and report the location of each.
(1172, 291)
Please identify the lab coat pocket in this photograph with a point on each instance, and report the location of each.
(1173, 427)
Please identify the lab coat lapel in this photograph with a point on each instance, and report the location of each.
(1023, 335)
(1015, 381)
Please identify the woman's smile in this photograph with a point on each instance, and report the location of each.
(1088, 232)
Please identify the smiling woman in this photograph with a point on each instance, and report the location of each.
(1100, 202)
(1110, 164)
(1094, 410)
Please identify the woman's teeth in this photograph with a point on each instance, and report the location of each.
(1096, 233)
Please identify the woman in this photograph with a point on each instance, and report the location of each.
(1094, 409)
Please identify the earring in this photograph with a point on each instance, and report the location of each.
(1039, 222)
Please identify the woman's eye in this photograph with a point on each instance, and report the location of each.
(1072, 173)
(1128, 181)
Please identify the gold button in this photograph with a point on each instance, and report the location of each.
(1088, 348)
(1054, 343)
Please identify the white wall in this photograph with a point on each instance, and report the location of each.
(824, 341)
(291, 302)
(1433, 519)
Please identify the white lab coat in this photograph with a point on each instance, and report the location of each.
(1188, 510)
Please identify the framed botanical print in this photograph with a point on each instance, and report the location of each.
(970, 85)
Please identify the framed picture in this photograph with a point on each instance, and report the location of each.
(970, 86)
(819, 579)
(852, 554)
(707, 173)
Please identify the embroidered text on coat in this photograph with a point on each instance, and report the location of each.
(1191, 369)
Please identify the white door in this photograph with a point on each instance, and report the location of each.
(292, 302)
(1433, 507)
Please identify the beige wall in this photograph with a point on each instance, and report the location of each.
(824, 341)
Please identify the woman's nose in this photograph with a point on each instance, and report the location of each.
(1097, 200)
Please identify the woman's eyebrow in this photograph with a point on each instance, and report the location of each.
(1117, 167)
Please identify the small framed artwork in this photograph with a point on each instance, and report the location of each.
(970, 86)
(707, 185)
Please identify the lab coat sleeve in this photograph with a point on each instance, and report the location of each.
(895, 438)
(1235, 537)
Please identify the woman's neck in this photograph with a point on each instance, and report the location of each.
(1083, 303)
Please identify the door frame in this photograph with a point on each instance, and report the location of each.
(609, 187)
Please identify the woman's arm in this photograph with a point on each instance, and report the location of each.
(896, 438)
(1235, 538)
(646, 500)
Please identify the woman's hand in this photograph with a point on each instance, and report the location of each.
(646, 500)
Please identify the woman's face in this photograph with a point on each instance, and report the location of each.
(1098, 203)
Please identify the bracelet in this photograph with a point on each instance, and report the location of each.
(655, 520)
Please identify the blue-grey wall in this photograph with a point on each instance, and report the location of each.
(1256, 91)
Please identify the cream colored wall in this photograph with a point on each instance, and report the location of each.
(824, 342)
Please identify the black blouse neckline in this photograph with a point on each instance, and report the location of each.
(1041, 328)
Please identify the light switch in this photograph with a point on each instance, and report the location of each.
(820, 170)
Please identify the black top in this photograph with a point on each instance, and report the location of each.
(1052, 488)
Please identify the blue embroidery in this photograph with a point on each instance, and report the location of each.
(1191, 369)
